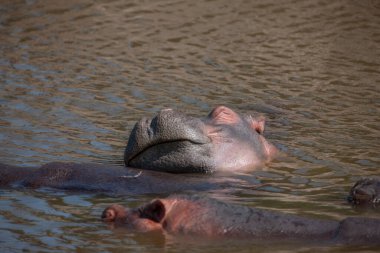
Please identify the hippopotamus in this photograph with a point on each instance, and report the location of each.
(365, 192)
(174, 142)
(169, 142)
(205, 217)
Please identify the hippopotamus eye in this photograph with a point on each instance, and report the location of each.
(258, 124)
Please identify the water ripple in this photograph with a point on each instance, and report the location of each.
(76, 76)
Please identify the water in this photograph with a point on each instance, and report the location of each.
(76, 75)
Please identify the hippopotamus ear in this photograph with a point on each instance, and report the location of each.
(224, 115)
(258, 124)
(154, 211)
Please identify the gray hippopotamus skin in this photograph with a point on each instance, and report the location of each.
(106, 179)
(365, 192)
(174, 142)
(200, 216)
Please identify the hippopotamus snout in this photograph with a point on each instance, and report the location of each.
(174, 142)
(168, 142)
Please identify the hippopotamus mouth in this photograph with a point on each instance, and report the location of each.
(168, 141)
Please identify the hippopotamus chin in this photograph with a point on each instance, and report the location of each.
(199, 216)
(174, 142)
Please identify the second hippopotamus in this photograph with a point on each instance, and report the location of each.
(200, 216)
(174, 142)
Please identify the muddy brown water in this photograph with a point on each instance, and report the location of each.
(76, 75)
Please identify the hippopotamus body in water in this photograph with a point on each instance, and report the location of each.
(174, 142)
(210, 218)
(106, 179)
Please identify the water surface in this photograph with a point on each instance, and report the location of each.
(76, 75)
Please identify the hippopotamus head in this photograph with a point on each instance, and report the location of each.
(175, 214)
(174, 142)
(142, 219)
(365, 192)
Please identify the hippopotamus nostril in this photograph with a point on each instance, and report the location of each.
(109, 215)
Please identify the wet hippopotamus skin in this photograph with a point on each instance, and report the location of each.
(365, 192)
(169, 142)
(106, 179)
(200, 216)
(174, 142)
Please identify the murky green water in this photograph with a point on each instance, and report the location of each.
(76, 75)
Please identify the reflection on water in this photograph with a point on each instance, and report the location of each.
(76, 75)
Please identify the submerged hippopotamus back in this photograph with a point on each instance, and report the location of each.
(174, 142)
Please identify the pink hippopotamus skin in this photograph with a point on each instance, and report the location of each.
(174, 142)
(200, 216)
